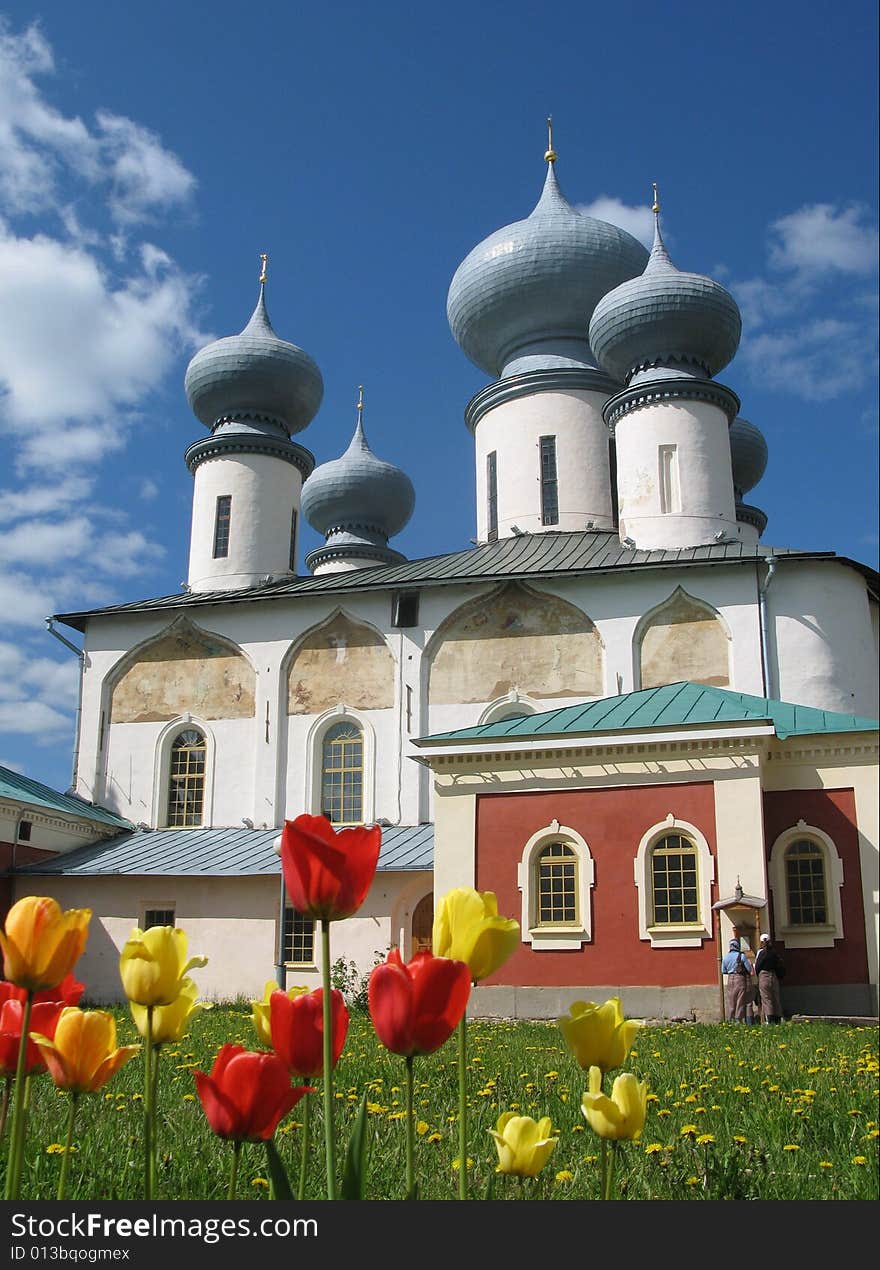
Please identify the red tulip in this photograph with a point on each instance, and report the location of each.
(415, 1007)
(68, 992)
(328, 874)
(247, 1094)
(297, 1027)
(44, 1019)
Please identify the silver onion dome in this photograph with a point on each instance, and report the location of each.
(682, 322)
(523, 298)
(254, 376)
(748, 455)
(358, 491)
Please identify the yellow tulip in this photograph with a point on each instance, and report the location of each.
(260, 1010)
(83, 1056)
(598, 1035)
(40, 943)
(172, 1020)
(524, 1145)
(623, 1114)
(467, 928)
(153, 964)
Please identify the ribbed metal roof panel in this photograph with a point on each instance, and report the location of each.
(228, 852)
(672, 705)
(23, 789)
(552, 554)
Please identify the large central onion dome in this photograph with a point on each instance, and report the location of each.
(523, 298)
(357, 502)
(683, 323)
(254, 377)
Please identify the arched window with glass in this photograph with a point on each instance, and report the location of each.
(805, 884)
(186, 779)
(674, 881)
(342, 774)
(556, 868)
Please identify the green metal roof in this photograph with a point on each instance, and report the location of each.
(673, 705)
(22, 789)
(528, 557)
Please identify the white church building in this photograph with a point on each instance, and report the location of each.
(621, 710)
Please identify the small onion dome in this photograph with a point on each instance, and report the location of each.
(527, 291)
(254, 376)
(665, 318)
(748, 455)
(358, 491)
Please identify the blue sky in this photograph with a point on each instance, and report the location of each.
(150, 152)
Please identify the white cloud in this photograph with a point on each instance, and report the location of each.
(34, 718)
(149, 489)
(23, 601)
(145, 177)
(43, 499)
(816, 360)
(638, 221)
(53, 543)
(824, 238)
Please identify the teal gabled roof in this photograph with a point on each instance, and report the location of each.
(21, 789)
(670, 706)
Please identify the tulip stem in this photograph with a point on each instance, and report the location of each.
(609, 1180)
(148, 1105)
(304, 1150)
(410, 1131)
(329, 1136)
(68, 1147)
(462, 1107)
(233, 1172)
(16, 1137)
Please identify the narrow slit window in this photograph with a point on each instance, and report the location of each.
(670, 490)
(549, 482)
(291, 564)
(158, 917)
(492, 493)
(222, 520)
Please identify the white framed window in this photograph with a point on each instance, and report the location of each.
(183, 775)
(555, 876)
(674, 871)
(297, 938)
(806, 877)
(340, 767)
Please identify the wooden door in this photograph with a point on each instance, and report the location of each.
(422, 925)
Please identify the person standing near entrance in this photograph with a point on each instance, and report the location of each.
(738, 969)
(770, 969)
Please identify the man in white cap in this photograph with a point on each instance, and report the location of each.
(737, 993)
(770, 969)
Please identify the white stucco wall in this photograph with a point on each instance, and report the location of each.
(705, 504)
(264, 492)
(513, 430)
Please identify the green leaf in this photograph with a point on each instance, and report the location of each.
(490, 1186)
(354, 1177)
(277, 1174)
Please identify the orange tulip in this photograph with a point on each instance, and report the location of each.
(83, 1056)
(41, 944)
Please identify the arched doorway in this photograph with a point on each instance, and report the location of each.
(422, 924)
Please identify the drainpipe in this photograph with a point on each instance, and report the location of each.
(80, 652)
(763, 588)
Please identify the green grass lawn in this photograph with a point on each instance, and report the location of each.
(734, 1112)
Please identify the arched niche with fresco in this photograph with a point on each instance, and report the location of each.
(682, 639)
(340, 660)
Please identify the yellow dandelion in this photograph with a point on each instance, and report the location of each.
(577, 1128)
(422, 1128)
(58, 1148)
(791, 1146)
(825, 1164)
(705, 1138)
(653, 1147)
(259, 1181)
(564, 1176)
(189, 1097)
(692, 1181)
(664, 1111)
(434, 1137)
(739, 1137)
(456, 1164)
(859, 1159)
(688, 1129)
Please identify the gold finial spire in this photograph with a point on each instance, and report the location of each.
(551, 156)
(656, 208)
(264, 267)
(360, 402)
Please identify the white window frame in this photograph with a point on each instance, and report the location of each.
(799, 936)
(315, 759)
(546, 938)
(161, 771)
(685, 934)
